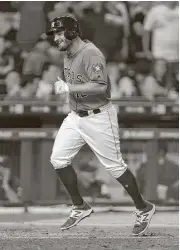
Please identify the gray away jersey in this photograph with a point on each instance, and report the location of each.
(87, 64)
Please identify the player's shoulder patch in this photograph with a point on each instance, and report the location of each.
(97, 68)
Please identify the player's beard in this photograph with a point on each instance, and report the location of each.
(63, 46)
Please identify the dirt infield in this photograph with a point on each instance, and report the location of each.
(100, 231)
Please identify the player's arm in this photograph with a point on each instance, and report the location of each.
(95, 68)
(89, 88)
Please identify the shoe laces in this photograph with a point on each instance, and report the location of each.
(140, 217)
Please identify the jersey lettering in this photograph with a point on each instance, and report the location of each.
(79, 78)
(72, 76)
(78, 95)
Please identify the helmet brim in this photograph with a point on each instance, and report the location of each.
(52, 32)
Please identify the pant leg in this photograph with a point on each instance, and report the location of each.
(67, 143)
(101, 133)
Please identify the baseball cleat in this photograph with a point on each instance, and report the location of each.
(143, 219)
(77, 214)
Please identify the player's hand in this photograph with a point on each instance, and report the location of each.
(61, 87)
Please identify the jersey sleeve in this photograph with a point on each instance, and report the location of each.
(95, 67)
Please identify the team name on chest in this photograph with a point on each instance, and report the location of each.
(72, 76)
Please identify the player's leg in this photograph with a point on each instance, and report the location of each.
(101, 132)
(67, 144)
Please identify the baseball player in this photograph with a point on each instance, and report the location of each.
(92, 120)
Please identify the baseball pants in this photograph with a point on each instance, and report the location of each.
(100, 131)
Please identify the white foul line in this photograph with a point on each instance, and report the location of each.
(82, 237)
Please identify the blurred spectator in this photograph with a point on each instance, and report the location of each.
(137, 15)
(106, 28)
(88, 18)
(6, 61)
(116, 26)
(28, 90)
(36, 59)
(126, 84)
(8, 6)
(14, 20)
(45, 86)
(5, 24)
(120, 17)
(159, 72)
(13, 85)
(6, 178)
(126, 87)
(55, 57)
(6, 65)
(163, 21)
(59, 8)
(49, 7)
(168, 174)
(139, 83)
(117, 29)
(113, 73)
(173, 95)
(13, 47)
(18, 56)
(82, 8)
(150, 88)
(155, 85)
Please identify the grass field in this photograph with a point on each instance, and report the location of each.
(108, 230)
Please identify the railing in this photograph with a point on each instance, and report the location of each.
(29, 151)
(124, 106)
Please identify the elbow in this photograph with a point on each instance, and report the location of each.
(97, 88)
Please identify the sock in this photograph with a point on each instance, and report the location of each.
(128, 181)
(69, 179)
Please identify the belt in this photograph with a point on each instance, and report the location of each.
(83, 113)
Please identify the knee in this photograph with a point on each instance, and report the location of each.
(59, 162)
(117, 170)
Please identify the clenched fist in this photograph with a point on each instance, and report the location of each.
(61, 87)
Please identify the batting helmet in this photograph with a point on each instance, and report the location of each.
(68, 24)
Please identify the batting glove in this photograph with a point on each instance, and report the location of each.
(61, 87)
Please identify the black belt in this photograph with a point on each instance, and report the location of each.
(83, 113)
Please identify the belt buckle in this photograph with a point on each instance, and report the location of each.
(82, 113)
(97, 111)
